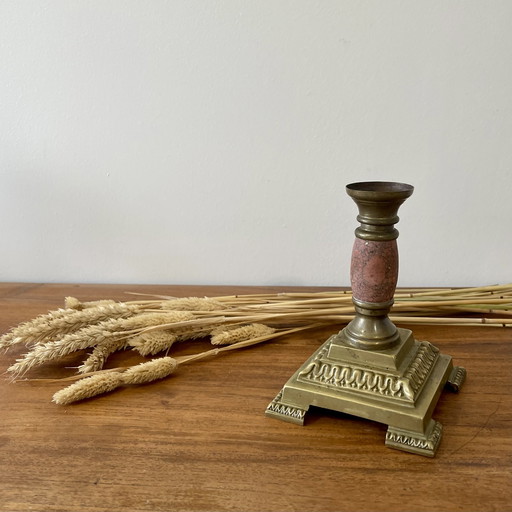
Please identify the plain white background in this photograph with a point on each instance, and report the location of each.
(211, 141)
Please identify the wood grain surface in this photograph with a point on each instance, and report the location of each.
(199, 440)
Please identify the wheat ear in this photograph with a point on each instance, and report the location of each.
(192, 304)
(151, 343)
(228, 336)
(88, 387)
(104, 382)
(151, 370)
(19, 333)
(74, 303)
(99, 355)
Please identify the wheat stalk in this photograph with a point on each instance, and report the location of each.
(223, 336)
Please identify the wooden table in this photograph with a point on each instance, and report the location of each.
(200, 440)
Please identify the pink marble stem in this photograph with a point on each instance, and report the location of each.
(374, 270)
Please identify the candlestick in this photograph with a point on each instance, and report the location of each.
(371, 368)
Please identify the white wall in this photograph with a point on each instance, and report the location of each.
(211, 141)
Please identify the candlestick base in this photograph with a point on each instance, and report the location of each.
(399, 387)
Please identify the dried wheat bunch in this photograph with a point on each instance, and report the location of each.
(152, 326)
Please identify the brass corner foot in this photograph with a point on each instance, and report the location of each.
(456, 379)
(419, 443)
(286, 412)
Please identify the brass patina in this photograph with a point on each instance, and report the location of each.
(371, 368)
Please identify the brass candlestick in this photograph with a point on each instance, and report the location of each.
(371, 368)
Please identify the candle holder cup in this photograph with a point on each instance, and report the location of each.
(371, 368)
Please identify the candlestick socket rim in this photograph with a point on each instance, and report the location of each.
(379, 190)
